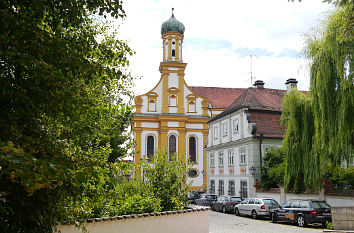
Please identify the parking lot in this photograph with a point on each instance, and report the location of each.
(230, 223)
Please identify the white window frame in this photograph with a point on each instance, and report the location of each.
(216, 132)
(236, 126)
(243, 155)
(212, 160)
(225, 129)
(230, 153)
(221, 159)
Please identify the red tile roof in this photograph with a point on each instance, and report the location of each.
(264, 108)
(267, 123)
(219, 97)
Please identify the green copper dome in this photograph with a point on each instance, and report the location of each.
(172, 25)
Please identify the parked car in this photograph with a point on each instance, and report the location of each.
(256, 207)
(303, 212)
(206, 200)
(192, 196)
(226, 203)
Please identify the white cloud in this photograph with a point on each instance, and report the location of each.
(274, 27)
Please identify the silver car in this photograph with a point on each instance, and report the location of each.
(256, 207)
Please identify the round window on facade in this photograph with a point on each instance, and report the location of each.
(193, 173)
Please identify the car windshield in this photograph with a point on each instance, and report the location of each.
(270, 202)
(320, 205)
(235, 199)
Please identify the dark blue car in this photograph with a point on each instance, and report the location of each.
(303, 212)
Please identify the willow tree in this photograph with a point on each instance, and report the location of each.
(319, 125)
(330, 52)
(301, 165)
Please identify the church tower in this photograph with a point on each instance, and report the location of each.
(171, 115)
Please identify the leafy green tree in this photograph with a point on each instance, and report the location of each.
(273, 170)
(166, 177)
(62, 114)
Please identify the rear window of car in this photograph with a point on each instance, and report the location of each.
(320, 205)
(270, 202)
(235, 199)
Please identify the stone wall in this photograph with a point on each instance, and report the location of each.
(186, 221)
(343, 218)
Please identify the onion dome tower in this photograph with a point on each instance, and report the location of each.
(172, 36)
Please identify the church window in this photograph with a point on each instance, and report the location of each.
(172, 145)
(173, 52)
(173, 100)
(192, 149)
(150, 147)
(152, 105)
(173, 42)
(191, 106)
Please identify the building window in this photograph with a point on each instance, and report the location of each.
(150, 147)
(243, 189)
(221, 188)
(191, 106)
(235, 126)
(221, 159)
(173, 53)
(212, 187)
(192, 149)
(173, 100)
(212, 160)
(216, 132)
(172, 144)
(225, 129)
(231, 191)
(230, 157)
(152, 105)
(243, 155)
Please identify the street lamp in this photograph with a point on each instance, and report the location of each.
(253, 170)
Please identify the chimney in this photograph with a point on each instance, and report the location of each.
(259, 84)
(291, 83)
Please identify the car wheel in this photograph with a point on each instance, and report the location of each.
(273, 217)
(237, 212)
(301, 221)
(224, 209)
(254, 214)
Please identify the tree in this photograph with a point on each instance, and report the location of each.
(62, 114)
(319, 125)
(272, 173)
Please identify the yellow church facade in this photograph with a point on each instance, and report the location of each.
(175, 116)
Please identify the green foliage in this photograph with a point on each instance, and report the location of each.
(319, 126)
(301, 165)
(342, 178)
(62, 116)
(329, 225)
(166, 176)
(272, 173)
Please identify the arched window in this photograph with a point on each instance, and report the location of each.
(150, 147)
(192, 149)
(173, 53)
(172, 145)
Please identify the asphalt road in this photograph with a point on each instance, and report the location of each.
(230, 223)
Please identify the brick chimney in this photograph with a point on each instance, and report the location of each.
(291, 83)
(259, 84)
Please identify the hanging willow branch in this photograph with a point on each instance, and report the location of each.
(330, 52)
(319, 125)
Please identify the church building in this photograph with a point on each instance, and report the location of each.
(175, 116)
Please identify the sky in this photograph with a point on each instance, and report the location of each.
(219, 39)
